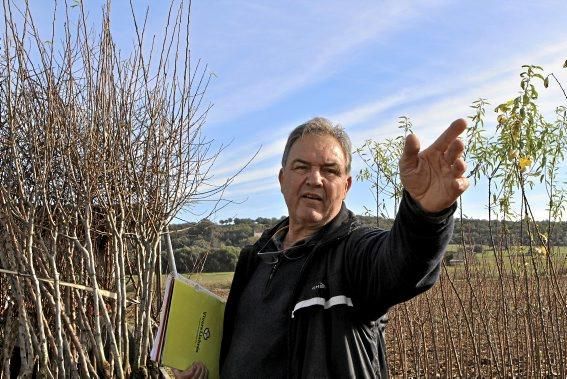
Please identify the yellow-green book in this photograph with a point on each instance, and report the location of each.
(190, 326)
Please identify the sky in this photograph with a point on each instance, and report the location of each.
(362, 64)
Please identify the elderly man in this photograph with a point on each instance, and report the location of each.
(309, 298)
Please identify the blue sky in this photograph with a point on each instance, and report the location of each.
(360, 63)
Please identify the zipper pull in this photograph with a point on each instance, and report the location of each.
(273, 271)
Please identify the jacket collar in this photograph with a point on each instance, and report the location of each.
(343, 224)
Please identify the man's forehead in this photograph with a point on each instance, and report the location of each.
(325, 155)
(318, 142)
(320, 152)
(319, 149)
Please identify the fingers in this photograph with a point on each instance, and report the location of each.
(454, 152)
(411, 150)
(197, 371)
(460, 185)
(201, 372)
(449, 135)
(458, 168)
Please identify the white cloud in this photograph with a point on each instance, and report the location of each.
(254, 188)
(431, 109)
(291, 51)
(235, 160)
(257, 174)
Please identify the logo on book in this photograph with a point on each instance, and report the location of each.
(202, 332)
(206, 333)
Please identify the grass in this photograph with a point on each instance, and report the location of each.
(515, 260)
(213, 280)
(218, 282)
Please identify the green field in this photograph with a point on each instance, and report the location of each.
(213, 280)
(218, 282)
(515, 260)
(557, 252)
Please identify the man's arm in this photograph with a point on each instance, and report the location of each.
(386, 268)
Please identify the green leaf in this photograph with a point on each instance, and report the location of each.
(546, 81)
(565, 64)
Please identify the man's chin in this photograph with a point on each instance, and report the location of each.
(312, 218)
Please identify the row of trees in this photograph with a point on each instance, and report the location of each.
(505, 315)
(209, 247)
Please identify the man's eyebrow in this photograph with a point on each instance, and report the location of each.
(298, 160)
(334, 165)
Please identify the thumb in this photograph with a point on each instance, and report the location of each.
(411, 149)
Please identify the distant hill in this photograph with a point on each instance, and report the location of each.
(478, 232)
(222, 241)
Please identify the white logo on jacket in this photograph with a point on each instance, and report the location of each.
(333, 301)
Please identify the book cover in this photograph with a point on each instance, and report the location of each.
(190, 326)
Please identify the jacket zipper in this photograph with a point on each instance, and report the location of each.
(275, 267)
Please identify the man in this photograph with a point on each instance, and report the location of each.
(309, 298)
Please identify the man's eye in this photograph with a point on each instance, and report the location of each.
(301, 168)
(331, 171)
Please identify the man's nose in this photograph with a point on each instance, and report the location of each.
(314, 178)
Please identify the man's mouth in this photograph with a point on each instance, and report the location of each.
(312, 196)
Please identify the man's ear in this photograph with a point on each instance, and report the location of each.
(348, 184)
(280, 178)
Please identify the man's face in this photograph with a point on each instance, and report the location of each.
(314, 181)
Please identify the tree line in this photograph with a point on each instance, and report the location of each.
(213, 247)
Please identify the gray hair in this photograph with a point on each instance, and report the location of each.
(320, 126)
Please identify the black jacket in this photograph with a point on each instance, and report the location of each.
(352, 276)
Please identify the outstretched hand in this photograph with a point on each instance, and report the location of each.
(434, 177)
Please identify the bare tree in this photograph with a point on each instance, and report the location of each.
(97, 154)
